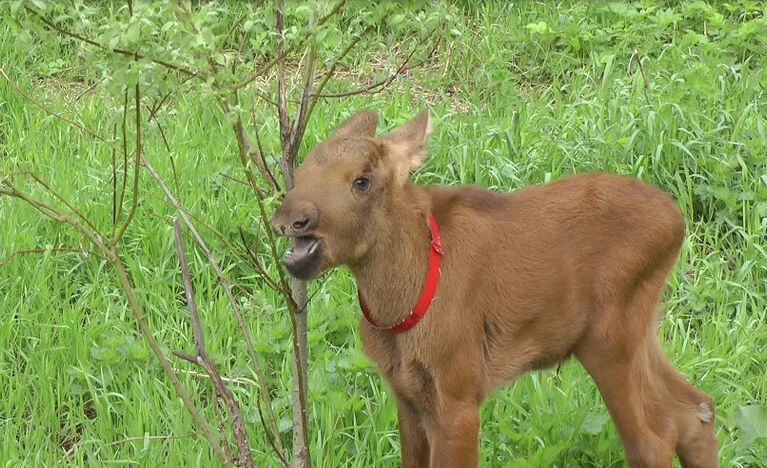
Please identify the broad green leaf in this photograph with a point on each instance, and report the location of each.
(594, 422)
(752, 422)
(537, 28)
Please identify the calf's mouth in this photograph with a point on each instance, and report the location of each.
(304, 258)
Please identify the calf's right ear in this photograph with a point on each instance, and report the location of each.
(406, 145)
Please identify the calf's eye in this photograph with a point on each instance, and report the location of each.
(361, 183)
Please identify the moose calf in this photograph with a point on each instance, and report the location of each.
(463, 289)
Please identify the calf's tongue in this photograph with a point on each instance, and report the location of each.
(303, 248)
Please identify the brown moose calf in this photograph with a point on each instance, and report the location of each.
(464, 289)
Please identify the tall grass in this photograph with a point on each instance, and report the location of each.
(521, 95)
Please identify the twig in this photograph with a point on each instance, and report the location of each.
(299, 124)
(15, 253)
(282, 108)
(136, 169)
(229, 380)
(233, 179)
(301, 456)
(224, 284)
(646, 83)
(279, 57)
(380, 84)
(331, 71)
(233, 408)
(128, 53)
(125, 158)
(138, 313)
(114, 182)
(257, 266)
(48, 111)
(149, 437)
(248, 152)
(63, 200)
(83, 93)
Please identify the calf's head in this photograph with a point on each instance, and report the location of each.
(347, 187)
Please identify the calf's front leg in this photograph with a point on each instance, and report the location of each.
(453, 436)
(413, 441)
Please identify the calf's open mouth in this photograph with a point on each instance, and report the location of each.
(304, 258)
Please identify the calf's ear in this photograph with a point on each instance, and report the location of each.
(406, 145)
(361, 124)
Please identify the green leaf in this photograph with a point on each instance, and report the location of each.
(537, 28)
(594, 422)
(40, 5)
(752, 422)
(134, 31)
(396, 19)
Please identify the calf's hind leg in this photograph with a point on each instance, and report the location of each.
(655, 411)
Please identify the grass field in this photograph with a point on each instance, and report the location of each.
(521, 94)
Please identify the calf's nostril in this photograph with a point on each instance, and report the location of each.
(300, 223)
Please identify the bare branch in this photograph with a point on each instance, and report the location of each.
(138, 313)
(150, 437)
(83, 93)
(248, 152)
(264, 393)
(299, 125)
(185, 356)
(114, 182)
(57, 215)
(233, 408)
(331, 71)
(63, 200)
(233, 179)
(48, 111)
(136, 169)
(15, 253)
(378, 86)
(257, 266)
(282, 105)
(240, 382)
(125, 158)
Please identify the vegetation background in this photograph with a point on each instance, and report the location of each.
(671, 92)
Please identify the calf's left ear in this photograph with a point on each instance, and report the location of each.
(405, 146)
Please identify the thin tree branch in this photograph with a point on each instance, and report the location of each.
(63, 200)
(282, 106)
(331, 71)
(229, 380)
(114, 182)
(380, 84)
(125, 284)
(57, 215)
(137, 166)
(299, 124)
(227, 290)
(150, 437)
(48, 111)
(233, 408)
(125, 158)
(257, 266)
(15, 253)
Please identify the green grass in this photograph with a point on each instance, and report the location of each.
(521, 95)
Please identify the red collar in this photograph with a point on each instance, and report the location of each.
(427, 294)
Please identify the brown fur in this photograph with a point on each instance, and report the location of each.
(574, 267)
